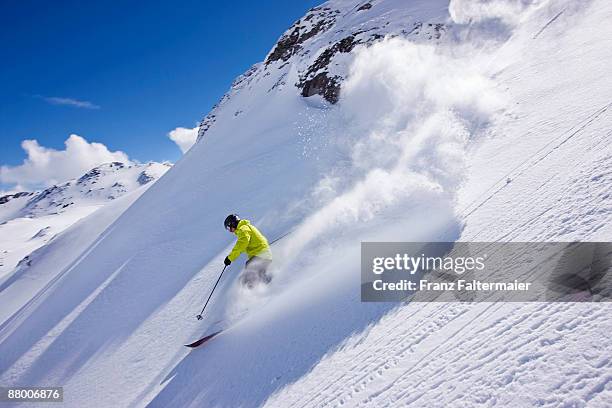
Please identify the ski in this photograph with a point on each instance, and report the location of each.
(218, 327)
(203, 340)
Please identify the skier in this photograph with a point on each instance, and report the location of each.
(255, 244)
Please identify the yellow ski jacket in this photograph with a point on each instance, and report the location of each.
(251, 241)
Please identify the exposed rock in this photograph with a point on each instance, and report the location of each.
(48, 192)
(26, 261)
(5, 199)
(311, 46)
(321, 84)
(145, 178)
(318, 20)
(90, 176)
(41, 233)
(439, 28)
(317, 80)
(206, 124)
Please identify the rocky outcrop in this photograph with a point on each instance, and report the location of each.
(324, 85)
(6, 198)
(318, 20)
(312, 53)
(143, 179)
(317, 80)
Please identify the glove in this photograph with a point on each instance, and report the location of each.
(227, 261)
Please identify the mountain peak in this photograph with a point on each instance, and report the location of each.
(313, 55)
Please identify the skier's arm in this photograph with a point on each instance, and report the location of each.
(244, 237)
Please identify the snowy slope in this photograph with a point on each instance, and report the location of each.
(541, 174)
(497, 129)
(29, 220)
(36, 225)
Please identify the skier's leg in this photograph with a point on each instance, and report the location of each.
(248, 278)
(256, 270)
(260, 265)
(249, 275)
(262, 271)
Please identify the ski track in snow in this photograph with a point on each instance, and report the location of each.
(436, 355)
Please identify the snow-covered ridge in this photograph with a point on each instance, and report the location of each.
(105, 182)
(29, 220)
(311, 55)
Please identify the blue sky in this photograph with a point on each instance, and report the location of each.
(125, 74)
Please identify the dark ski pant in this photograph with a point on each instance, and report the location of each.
(255, 270)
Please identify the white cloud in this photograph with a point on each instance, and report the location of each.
(184, 137)
(45, 166)
(56, 100)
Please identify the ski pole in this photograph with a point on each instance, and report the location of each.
(282, 236)
(211, 292)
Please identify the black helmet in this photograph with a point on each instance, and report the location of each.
(231, 221)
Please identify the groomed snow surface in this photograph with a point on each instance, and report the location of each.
(499, 132)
